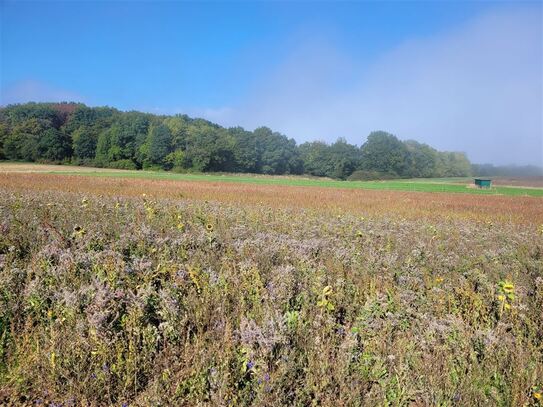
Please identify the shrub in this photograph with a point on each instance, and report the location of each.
(122, 165)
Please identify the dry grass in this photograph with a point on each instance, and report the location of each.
(395, 204)
(534, 182)
(266, 296)
(18, 167)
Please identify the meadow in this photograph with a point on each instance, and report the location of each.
(502, 186)
(167, 290)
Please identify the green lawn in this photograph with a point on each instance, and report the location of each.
(397, 185)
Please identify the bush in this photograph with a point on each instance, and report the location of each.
(179, 170)
(152, 167)
(83, 162)
(122, 165)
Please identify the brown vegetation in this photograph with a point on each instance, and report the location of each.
(201, 293)
(397, 204)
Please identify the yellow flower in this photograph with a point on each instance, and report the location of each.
(501, 297)
(209, 227)
(79, 231)
(324, 301)
(439, 280)
(53, 359)
(537, 395)
(507, 306)
(508, 287)
(327, 290)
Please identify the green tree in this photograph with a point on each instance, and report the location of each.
(337, 160)
(454, 164)
(176, 160)
(384, 153)
(21, 146)
(158, 143)
(102, 149)
(278, 154)
(209, 147)
(84, 141)
(54, 145)
(36, 112)
(108, 137)
(4, 133)
(178, 126)
(422, 160)
(315, 156)
(245, 150)
(344, 159)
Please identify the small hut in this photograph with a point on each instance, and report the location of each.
(483, 183)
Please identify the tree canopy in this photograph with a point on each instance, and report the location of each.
(106, 137)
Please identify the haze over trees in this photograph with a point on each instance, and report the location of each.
(106, 137)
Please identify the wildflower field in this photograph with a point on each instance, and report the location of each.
(145, 292)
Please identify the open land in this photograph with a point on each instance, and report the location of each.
(175, 289)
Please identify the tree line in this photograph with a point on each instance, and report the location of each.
(521, 171)
(106, 137)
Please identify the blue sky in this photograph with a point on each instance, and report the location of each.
(457, 75)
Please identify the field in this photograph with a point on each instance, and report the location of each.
(502, 186)
(138, 289)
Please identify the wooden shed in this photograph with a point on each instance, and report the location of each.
(483, 183)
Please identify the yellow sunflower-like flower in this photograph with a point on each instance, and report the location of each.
(508, 287)
(79, 231)
(327, 290)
